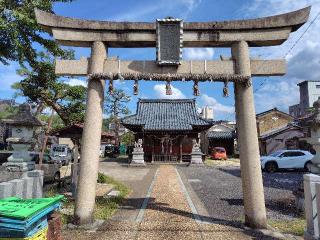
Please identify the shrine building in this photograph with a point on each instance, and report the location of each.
(167, 128)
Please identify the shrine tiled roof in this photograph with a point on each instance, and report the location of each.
(221, 135)
(166, 115)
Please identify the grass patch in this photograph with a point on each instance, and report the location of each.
(295, 227)
(105, 206)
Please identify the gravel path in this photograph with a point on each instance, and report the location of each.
(220, 191)
(167, 216)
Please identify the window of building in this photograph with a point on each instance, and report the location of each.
(317, 86)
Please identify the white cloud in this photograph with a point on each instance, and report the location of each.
(303, 60)
(217, 107)
(76, 82)
(161, 9)
(160, 90)
(280, 94)
(198, 53)
(136, 14)
(191, 5)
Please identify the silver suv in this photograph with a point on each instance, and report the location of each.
(61, 153)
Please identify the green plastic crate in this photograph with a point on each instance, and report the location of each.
(25, 208)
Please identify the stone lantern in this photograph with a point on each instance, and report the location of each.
(314, 125)
(23, 126)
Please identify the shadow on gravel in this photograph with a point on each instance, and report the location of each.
(283, 205)
(136, 203)
(284, 180)
(287, 180)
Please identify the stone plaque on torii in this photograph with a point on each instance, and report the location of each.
(238, 35)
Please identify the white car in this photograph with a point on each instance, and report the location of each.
(286, 159)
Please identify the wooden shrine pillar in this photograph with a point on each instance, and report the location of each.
(181, 140)
(152, 155)
(91, 138)
(252, 185)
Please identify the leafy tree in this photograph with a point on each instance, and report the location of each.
(116, 105)
(42, 86)
(127, 138)
(8, 112)
(19, 32)
(57, 123)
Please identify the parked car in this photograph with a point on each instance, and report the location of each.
(286, 159)
(51, 169)
(219, 153)
(111, 150)
(61, 153)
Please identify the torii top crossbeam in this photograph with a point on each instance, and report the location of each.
(259, 32)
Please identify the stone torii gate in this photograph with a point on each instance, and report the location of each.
(238, 35)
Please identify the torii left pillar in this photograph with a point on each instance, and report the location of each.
(91, 137)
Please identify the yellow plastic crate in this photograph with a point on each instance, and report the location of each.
(41, 235)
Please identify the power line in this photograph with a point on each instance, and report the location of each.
(292, 47)
(305, 31)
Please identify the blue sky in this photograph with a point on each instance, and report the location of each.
(303, 61)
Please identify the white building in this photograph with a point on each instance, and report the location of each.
(207, 113)
(309, 93)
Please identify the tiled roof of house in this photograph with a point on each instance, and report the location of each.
(166, 115)
(221, 135)
(272, 110)
(279, 130)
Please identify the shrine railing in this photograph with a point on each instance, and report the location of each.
(165, 158)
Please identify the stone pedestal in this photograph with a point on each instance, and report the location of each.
(196, 154)
(138, 154)
(196, 158)
(137, 159)
(20, 160)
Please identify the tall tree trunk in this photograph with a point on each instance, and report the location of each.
(44, 145)
(116, 130)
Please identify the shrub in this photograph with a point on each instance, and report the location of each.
(102, 178)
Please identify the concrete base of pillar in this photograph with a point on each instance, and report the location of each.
(314, 168)
(89, 227)
(196, 158)
(138, 159)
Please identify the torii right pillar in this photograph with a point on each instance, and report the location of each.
(251, 175)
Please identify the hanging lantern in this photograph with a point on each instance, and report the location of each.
(111, 86)
(168, 88)
(196, 91)
(226, 89)
(135, 87)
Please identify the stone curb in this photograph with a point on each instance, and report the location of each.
(272, 232)
(92, 227)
